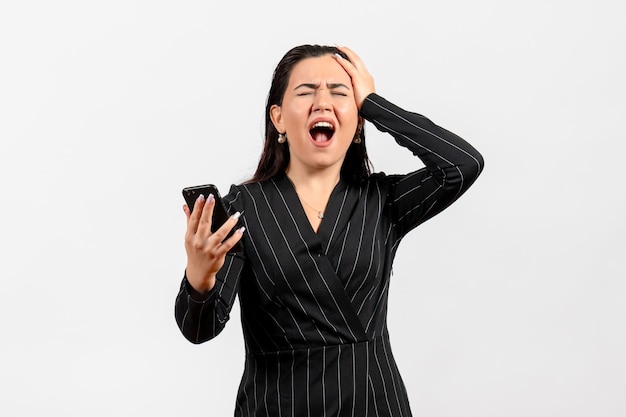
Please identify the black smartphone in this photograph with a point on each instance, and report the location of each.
(220, 215)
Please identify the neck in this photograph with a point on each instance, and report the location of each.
(319, 181)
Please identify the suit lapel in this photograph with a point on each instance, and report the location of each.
(338, 307)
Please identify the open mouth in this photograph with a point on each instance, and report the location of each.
(322, 132)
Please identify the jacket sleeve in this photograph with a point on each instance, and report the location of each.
(201, 318)
(451, 164)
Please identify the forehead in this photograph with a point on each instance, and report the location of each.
(318, 70)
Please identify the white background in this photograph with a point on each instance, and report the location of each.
(510, 303)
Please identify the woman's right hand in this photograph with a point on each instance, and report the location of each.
(362, 80)
(206, 251)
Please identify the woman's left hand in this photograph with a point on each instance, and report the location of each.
(362, 80)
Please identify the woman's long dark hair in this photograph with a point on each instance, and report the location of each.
(275, 157)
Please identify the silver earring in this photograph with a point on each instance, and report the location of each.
(282, 138)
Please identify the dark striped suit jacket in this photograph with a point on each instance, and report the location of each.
(313, 305)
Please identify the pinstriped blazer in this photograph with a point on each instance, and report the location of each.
(313, 305)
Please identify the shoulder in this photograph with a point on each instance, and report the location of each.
(233, 200)
(382, 180)
(251, 190)
(388, 184)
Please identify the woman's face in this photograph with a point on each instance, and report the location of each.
(318, 114)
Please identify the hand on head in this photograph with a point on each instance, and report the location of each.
(362, 80)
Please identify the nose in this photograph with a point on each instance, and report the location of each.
(322, 101)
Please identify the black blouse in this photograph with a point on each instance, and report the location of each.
(314, 305)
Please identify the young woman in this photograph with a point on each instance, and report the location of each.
(319, 233)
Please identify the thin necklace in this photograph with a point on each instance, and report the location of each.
(320, 214)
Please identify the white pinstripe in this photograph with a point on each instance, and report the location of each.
(332, 234)
(393, 380)
(339, 377)
(324, 379)
(353, 382)
(382, 377)
(278, 384)
(343, 247)
(308, 379)
(293, 396)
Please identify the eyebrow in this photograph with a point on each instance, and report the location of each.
(331, 86)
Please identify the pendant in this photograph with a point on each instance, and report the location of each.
(320, 215)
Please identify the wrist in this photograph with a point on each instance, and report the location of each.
(197, 285)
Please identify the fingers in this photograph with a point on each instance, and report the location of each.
(231, 241)
(199, 227)
(206, 251)
(362, 81)
(200, 218)
(217, 238)
(355, 63)
(354, 58)
(206, 214)
(347, 65)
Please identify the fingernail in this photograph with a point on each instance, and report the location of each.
(236, 215)
(338, 56)
(241, 230)
(200, 197)
(210, 198)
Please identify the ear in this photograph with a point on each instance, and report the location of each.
(359, 126)
(276, 115)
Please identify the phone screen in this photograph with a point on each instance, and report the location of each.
(220, 215)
